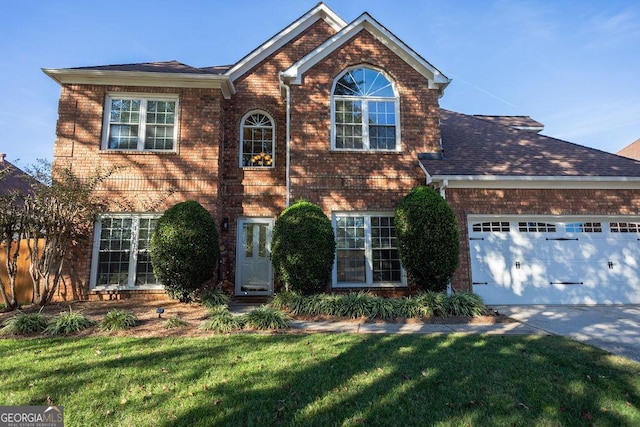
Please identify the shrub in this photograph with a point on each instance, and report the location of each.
(116, 320)
(303, 248)
(221, 321)
(25, 324)
(69, 322)
(266, 317)
(407, 307)
(355, 305)
(175, 322)
(432, 304)
(428, 238)
(213, 297)
(184, 249)
(464, 304)
(382, 308)
(284, 299)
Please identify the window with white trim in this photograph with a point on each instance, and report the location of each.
(257, 141)
(121, 252)
(364, 112)
(366, 251)
(140, 123)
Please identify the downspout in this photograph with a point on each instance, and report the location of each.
(287, 90)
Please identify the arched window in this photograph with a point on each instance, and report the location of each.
(364, 112)
(257, 140)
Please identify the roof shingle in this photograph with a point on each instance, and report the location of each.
(473, 146)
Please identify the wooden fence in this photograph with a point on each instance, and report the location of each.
(24, 286)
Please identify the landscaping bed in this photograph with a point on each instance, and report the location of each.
(150, 325)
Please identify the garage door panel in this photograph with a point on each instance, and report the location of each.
(566, 262)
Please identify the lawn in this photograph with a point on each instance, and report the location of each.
(322, 380)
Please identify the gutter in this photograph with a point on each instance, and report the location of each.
(440, 184)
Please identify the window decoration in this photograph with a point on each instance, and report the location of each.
(625, 227)
(366, 251)
(584, 227)
(140, 124)
(492, 226)
(122, 251)
(257, 141)
(536, 227)
(364, 112)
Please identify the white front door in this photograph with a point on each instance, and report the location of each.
(254, 274)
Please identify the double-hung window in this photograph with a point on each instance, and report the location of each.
(366, 251)
(140, 123)
(364, 112)
(121, 252)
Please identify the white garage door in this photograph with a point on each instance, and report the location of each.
(524, 260)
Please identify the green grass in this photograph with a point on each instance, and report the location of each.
(323, 380)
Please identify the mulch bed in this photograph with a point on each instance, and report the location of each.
(150, 325)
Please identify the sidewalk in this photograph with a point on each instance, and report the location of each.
(513, 328)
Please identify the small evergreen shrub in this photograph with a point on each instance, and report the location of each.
(116, 320)
(464, 304)
(69, 322)
(382, 308)
(25, 324)
(283, 300)
(175, 322)
(432, 304)
(221, 321)
(266, 317)
(355, 305)
(428, 238)
(213, 297)
(184, 249)
(303, 248)
(407, 308)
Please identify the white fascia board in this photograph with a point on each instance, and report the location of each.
(436, 79)
(321, 11)
(539, 182)
(140, 78)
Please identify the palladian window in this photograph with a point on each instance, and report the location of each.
(364, 112)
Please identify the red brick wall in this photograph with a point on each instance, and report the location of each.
(145, 182)
(356, 180)
(466, 202)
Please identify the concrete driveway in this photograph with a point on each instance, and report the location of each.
(615, 329)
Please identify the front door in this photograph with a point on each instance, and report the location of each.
(254, 274)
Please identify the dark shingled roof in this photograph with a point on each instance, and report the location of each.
(474, 146)
(518, 122)
(13, 178)
(631, 151)
(158, 67)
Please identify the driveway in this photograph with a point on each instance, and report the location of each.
(615, 329)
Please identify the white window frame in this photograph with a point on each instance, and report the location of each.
(133, 252)
(368, 248)
(273, 140)
(106, 128)
(365, 113)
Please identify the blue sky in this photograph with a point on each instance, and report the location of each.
(572, 65)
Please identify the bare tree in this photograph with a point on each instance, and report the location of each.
(59, 215)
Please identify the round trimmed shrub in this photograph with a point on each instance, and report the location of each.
(184, 249)
(428, 238)
(303, 247)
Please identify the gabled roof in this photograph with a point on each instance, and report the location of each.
(161, 74)
(320, 11)
(631, 151)
(517, 122)
(477, 149)
(436, 79)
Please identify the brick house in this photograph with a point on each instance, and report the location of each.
(347, 116)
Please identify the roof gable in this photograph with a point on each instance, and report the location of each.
(365, 22)
(320, 11)
(631, 151)
(477, 149)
